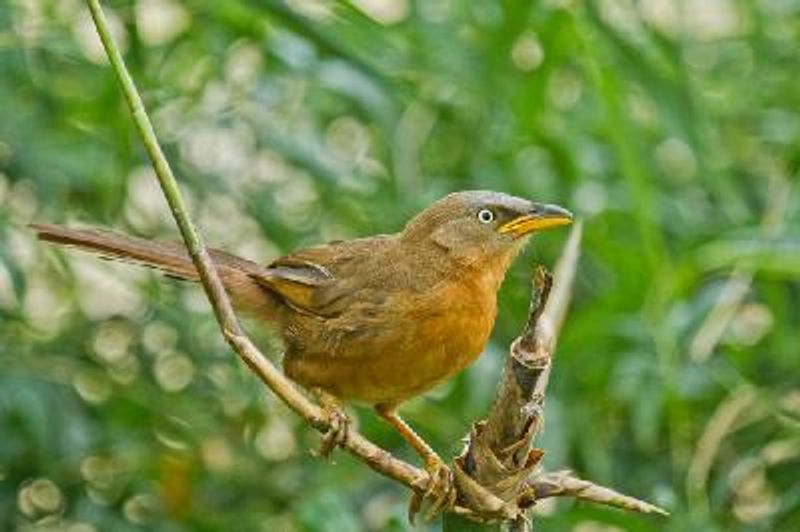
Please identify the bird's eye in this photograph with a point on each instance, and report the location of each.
(485, 216)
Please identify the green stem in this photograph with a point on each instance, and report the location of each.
(375, 457)
(202, 261)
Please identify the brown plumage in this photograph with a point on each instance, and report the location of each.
(379, 319)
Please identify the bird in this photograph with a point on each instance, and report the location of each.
(375, 320)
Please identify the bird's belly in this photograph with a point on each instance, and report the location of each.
(406, 356)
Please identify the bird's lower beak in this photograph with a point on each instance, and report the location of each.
(540, 217)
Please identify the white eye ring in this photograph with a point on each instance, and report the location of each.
(485, 216)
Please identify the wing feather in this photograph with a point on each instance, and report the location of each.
(322, 280)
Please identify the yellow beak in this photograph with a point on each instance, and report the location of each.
(541, 217)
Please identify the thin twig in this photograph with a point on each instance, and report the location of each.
(169, 186)
(375, 457)
(555, 311)
(564, 483)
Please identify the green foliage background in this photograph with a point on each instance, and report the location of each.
(672, 128)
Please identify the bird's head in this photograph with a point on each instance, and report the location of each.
(483, 228)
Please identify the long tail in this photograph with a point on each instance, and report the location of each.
(172, 259)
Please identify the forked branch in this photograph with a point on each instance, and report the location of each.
(499, 456)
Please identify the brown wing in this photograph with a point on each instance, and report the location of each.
(297, 283)
(318, 280)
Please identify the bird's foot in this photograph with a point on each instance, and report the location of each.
(440, 492)
(338, 428)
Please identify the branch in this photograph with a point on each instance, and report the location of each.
(375, 457)
(563, 483)
(499, 453)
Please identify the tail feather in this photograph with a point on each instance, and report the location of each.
(170, 258)
(167, 257)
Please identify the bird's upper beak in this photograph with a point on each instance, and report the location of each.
(541, 216)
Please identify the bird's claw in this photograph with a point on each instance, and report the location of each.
(338, 429)
(440, 492)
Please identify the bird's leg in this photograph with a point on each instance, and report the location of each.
(440, 489)
(339, 423)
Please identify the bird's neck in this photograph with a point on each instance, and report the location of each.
(486, 271)
(494, 269)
